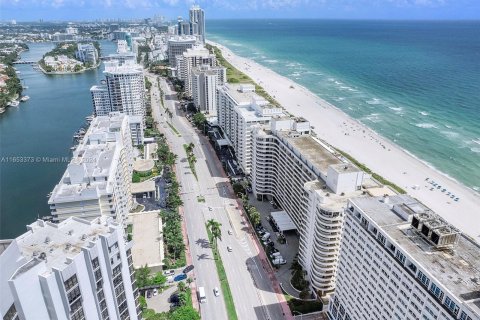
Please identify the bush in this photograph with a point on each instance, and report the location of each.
(305, 306)
(298, 282)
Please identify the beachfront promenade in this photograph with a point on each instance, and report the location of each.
(376, 152)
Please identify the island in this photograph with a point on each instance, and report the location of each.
(10, 85)
(71, 57)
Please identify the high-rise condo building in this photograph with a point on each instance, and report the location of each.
(205, 81)
(100, 100)
(197, 22)
(126, 88)
(240, 110)
(195, 57)
(76, 269)
(400, 260)
(312, 185)
(98, 178)
(178, 45)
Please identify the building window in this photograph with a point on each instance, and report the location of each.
(95, 263)
(436, 292)
(423, 278)
(11, 313)
(70, 282)
(451, 305)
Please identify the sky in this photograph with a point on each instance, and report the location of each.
(76, 10)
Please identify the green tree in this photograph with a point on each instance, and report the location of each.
(215, 229)
(182, 298)
(77, 68)
(255, 217)
(142, 275)
(185, 313)
(159, 279)
(181, 286)
(199, 119)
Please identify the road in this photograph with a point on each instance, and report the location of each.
(250, 284)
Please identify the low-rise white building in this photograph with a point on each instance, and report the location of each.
(87, 53)
(399, 260)
(98, 178)
(76, 269)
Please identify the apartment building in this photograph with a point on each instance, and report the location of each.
(98, 178)
(205, 81)
(197, 56)
(309, 182)
(400, 260)
(178, 45)
(239, 111)
(126, 88)
(87, 53)
(76, 270)
(197, 22)
(100, 100)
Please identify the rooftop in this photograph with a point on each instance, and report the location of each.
(93, 162)
(55, 243)
(331, 200)
(239, 96)
(312, 150)
(456, 268)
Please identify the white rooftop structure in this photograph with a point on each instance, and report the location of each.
(97, 180)
(76, 269)
(283, 221)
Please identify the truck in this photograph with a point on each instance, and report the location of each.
(201, 295)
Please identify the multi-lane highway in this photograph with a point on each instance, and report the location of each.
(250, 284)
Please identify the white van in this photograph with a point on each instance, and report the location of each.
(201, 295)
(275, 254)
(265, 236)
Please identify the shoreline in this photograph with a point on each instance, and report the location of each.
(349, 135)
(67, 72)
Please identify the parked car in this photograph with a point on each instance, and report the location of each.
(229, 231)
(180, 277)
(216, 292)
(229, 249)
(149, 294)
(266, 236)
(279, 261)
(275, 254)
(271, 244)
(273, 249)
(169, 272)
(188, 269)
(155, 292)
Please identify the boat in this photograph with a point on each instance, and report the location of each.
(89, 118)
(14, 103)
(24, 98)
(25, 87)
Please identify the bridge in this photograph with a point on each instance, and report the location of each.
(25, 62)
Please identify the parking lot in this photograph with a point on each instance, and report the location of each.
(287, 250)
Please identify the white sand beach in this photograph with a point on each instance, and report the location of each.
(379, 154)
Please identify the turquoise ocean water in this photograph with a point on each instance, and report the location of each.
(415, 83)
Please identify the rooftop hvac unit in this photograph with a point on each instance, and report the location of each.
(419, 219)
(445, 236)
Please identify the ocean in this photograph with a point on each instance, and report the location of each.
(416, 83)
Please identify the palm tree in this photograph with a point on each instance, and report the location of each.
(214, 227)
(181, 286)
(255, 217)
